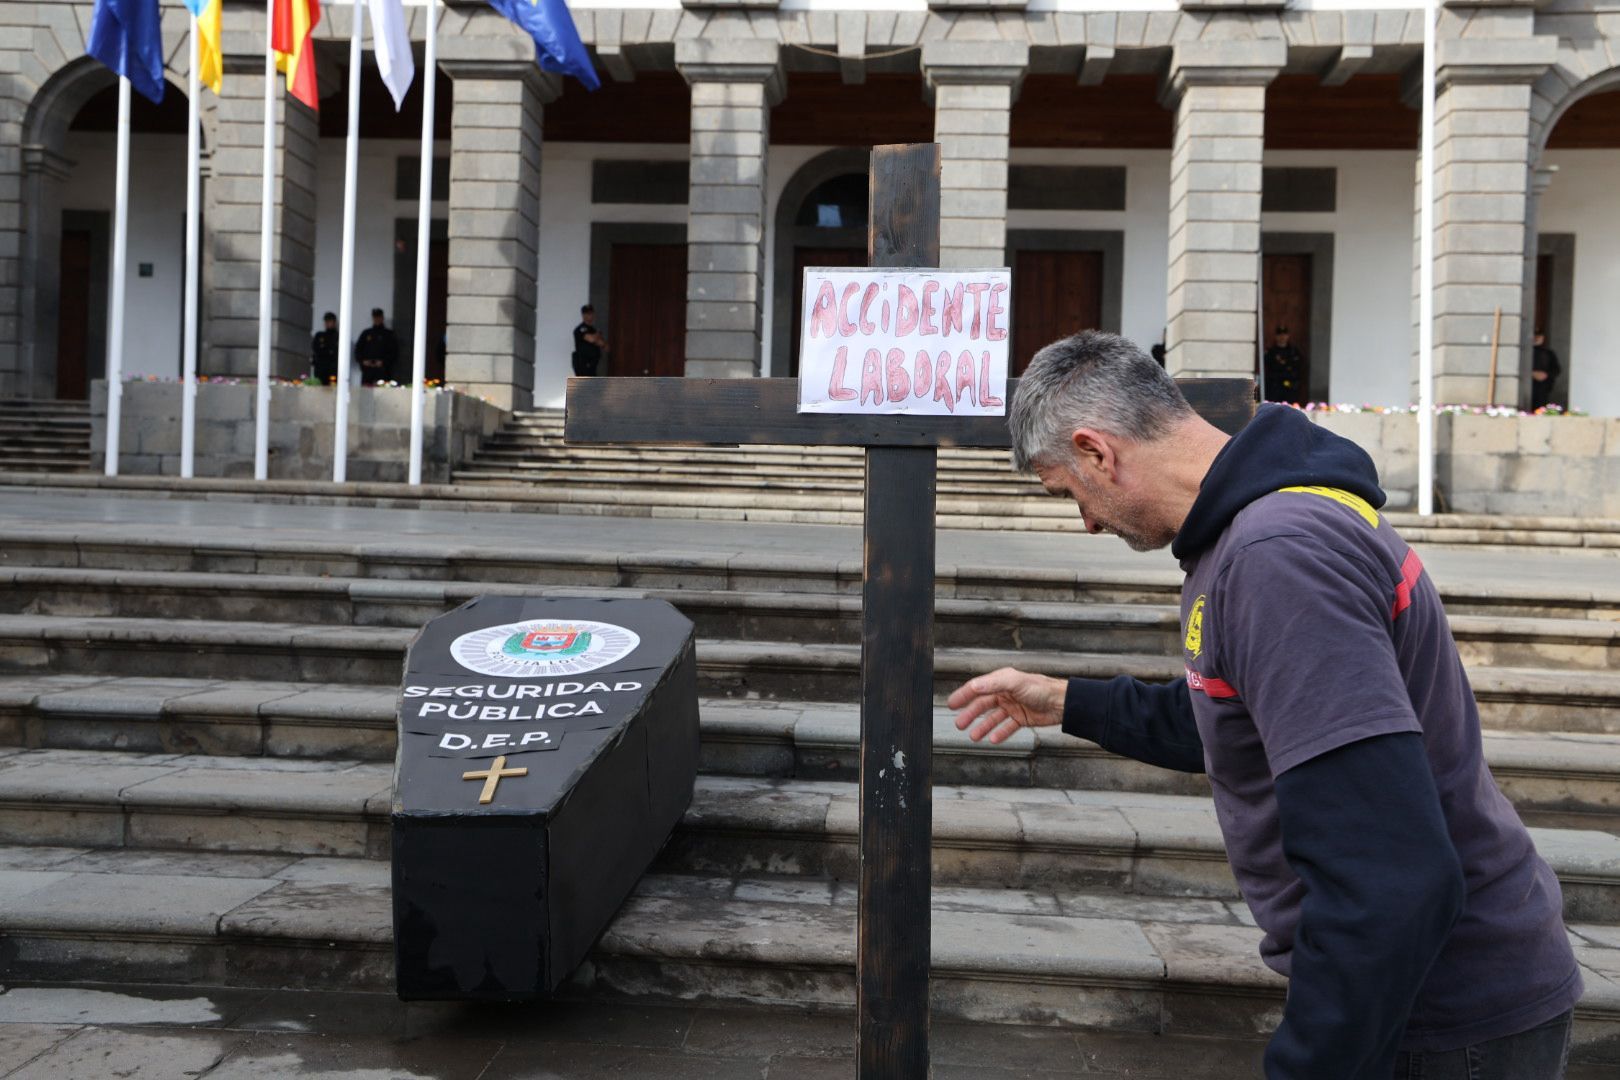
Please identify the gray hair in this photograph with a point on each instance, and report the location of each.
(1090, 380)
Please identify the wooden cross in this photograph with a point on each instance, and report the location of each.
(897, 613)
(492, 777)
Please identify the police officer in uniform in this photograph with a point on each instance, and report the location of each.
(589, 344)
(324, 351)
(1544, 372)
(1285, 370)
(377, 351)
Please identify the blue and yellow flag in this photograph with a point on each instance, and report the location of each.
(556, 40)
(210, 62)
(127, 36)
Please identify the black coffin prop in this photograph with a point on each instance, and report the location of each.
(580, 720)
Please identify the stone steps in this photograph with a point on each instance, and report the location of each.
(699, 478)
(504, 447)
(1530, 699)
(1126, 843)
(760, 506)
(1075, 958)
(255, 789)
(44, 436)
(1578, 644)
(772, 460)
(37, 437)
(426, 565)
(1062, 957)
(1556, 779)
(45, 466)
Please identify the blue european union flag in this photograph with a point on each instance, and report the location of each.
(127, 36)
(556, 42)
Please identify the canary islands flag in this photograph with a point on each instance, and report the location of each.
(291, 26)
(210, 65)
(556, 40)
(127, 36)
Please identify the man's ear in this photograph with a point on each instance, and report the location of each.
(1093, 451)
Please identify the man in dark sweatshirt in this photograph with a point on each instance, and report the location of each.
(1395, 884)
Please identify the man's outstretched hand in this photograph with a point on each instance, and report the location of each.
(1000, 703)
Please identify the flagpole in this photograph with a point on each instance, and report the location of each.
(267, 216)
(424, 238)
(1425, 490)
(351, 169)
(188, 384)
(120, 257)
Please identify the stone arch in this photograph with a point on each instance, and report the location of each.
(1574, 77)
(1556, 92)
(784, 238)
(48, 117)
(51, 111)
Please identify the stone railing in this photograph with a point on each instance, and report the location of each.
(1563, 466)
(301, 431)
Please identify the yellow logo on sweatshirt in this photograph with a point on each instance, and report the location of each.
(1344, 498)
(1195, 628)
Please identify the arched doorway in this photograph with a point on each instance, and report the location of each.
(69, 156)
(1571, 244)
(820, 221)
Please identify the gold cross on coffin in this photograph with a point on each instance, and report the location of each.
(491, 777)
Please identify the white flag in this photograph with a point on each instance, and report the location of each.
(392, 44)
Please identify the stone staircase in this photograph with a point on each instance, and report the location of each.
(44, 436)
(527, 465)
(196, 737)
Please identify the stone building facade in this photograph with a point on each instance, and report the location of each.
(1007, 85)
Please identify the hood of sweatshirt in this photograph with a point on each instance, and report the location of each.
(1279, 448)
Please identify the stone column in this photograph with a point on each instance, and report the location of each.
(1482, 210)
(974, 85)
(734, 84)
(232, 200)
(28, 352)
(495, 137)
(14, 364)
(1218, 90)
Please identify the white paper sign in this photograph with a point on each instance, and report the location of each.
(919, 341)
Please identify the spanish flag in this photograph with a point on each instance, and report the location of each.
(210, 66)
(291, 26)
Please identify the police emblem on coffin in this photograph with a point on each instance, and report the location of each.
(543, 647)
(547, 748)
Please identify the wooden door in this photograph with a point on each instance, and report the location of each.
(1054, 294)
(646, 329)
(815, 256)
(1286, 300)
(404, 309)
(73, 316)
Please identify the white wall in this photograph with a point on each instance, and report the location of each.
(1583, 199)
(1372, 231)
(1371, 337)
(157, 235)
(566, 213)
(1372, 227)
(1145, 222)
(780, 164)
(376, 210)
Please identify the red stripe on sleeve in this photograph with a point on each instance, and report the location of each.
(1215, 688)
(1411, 570)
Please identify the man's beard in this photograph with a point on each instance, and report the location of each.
(1134, 537)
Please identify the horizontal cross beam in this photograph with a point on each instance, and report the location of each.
(733, 412)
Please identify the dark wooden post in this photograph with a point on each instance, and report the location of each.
(897, 676)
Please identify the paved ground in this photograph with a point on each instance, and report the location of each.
(536, 532)
(170, 1033)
